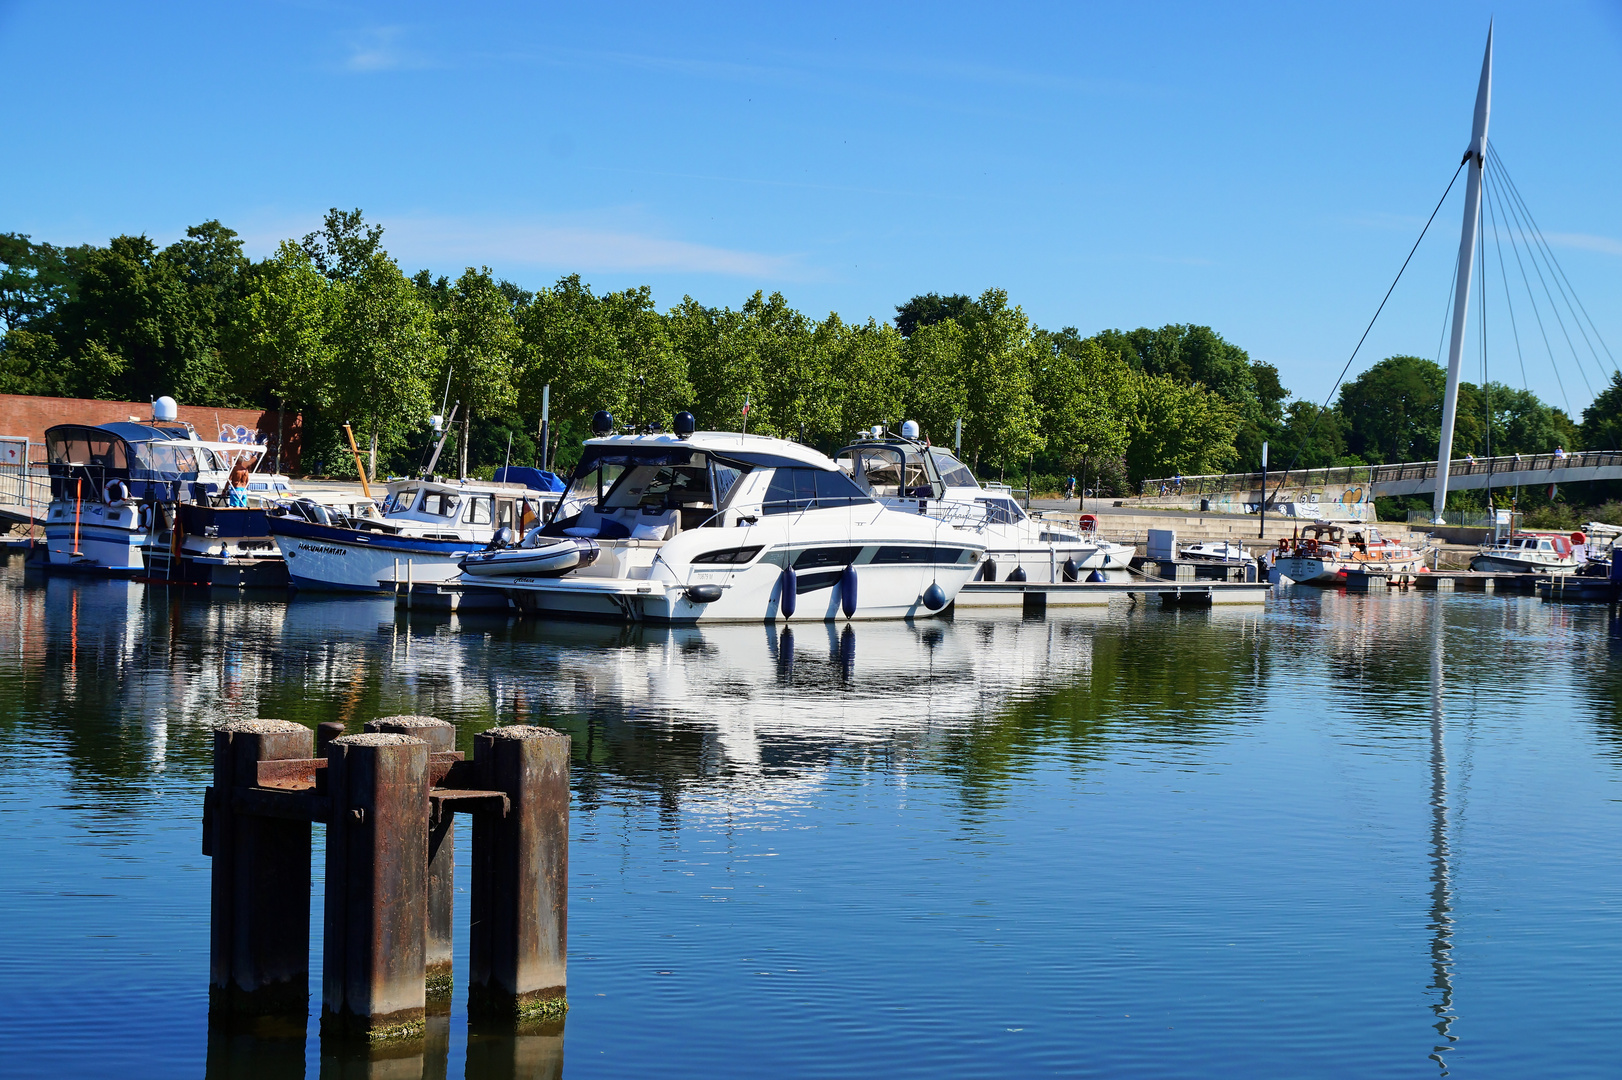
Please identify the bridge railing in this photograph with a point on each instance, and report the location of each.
(1349, 475)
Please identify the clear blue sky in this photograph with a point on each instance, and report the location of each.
(1259, 168)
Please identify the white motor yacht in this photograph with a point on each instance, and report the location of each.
(1529, 553)
(1221, 551)
(714, 526)
(909, 475)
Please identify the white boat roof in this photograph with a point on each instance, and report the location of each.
(726, 444)
(462, 487)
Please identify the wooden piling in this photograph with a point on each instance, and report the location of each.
(259, 922)
(373, 965)
(519, 951)
(440, 735)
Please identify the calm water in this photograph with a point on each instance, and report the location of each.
(1349, 836)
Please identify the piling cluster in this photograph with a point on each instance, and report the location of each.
(388, 798)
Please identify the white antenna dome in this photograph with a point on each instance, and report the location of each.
(878, 431)
(909, 430)
(165, 409)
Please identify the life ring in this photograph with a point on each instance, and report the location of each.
(146, 517)
(1088, 523)
(1578, 538)
(116, 492)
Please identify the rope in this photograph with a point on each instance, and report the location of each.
(1313, 427)
(1503, 272)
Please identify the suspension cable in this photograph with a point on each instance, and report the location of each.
(1503, 273)
(1532, 296)
(1313, 427)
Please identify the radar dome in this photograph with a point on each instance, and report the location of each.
(165, 409)
(909, 430)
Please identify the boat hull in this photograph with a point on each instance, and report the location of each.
(104, 539)
(1499, 564)
(326, 557)
(1333, 571)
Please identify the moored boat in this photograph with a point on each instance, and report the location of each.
(1531, 553)
(724, 527)
(1326, 552)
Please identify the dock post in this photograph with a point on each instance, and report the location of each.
(519, 952)
(372, 967)
(259, 922)
(440, 735)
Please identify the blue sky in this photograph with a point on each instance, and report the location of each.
(1259, 168)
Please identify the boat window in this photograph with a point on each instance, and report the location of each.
(400, 501)
(880, 467)
(171, 457)
(1543, 545)
(725, 476)
(1002, 511)
(440, 503)
(953, 472)
(791, 490)
(504, 513)
(730, 556)
(478, 510)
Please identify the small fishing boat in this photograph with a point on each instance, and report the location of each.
(1531, 553)
(715, 526)
(1325, 552)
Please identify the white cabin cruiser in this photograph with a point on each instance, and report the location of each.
(911, 476)
(724, 527)
(1529, 553)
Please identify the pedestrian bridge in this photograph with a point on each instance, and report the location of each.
(1345, 487)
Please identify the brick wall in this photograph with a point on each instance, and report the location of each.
(22, 416)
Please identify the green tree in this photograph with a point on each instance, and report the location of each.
(386, 354)
(871, 376)
(1178, 428)
(1393, 412)
(937, 395)
(35, 280)
(929, 309)
(344, 245)
(481, 350)
(1086, 398)
(1602, 420)
(999, 352)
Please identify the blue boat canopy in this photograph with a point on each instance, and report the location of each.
(534, 479)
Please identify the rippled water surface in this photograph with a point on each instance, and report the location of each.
(1345, 836)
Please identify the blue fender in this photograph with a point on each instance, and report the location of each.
(788, 594)
(934, 597)
(847, 591)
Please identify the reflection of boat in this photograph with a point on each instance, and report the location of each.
(1529, 553)
(718, 526)
(1324, 554)
(909, 475)
(427, 526)
(1223, 551)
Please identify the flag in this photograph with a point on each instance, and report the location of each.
(746, 404)
(1553, 488)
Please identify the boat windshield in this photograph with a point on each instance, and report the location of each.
(1002, 511)
(174, 457)
(400, 501)
(889, 471)
(953, 472)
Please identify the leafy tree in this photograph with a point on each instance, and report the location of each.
(929, 309)
(871, 376)
(723, 361)
(344, 245)
(1602, 420)
(999, 352)
(1086, 398)
(1393, 412)
(29, 364)
(1312, 436)
(937, 395)
(1178, 428)
(282, 338)
(481, 349)
(35, 280)
(1522, 424)
(386, 353)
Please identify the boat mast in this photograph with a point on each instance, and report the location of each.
(1476, 155)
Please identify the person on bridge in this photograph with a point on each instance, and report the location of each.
(1559, 451)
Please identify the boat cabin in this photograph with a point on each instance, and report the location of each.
(448, 511)
(156, 460)
(653, 487)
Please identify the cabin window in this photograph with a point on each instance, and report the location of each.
(504, 513)
(401, 501)
(440, 503)
(792, 490)
(478, 510)
(729, 556)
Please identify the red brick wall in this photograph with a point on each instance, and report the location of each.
(28, 417)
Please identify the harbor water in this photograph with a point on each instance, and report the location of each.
(1344, 835)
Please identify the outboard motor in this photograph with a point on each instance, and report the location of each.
(503, 538)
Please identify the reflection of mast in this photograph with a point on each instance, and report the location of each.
(1441, 922)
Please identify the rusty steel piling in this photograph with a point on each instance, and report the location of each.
(520, 875)
(259, 920)
(373, 966)
(440, 735)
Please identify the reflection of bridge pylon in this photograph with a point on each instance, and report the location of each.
(1441, 911)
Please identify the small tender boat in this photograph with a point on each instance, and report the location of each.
(1223, 551)
(1531, 553)
(1325, 553)
(716, 526)
(538, 556)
